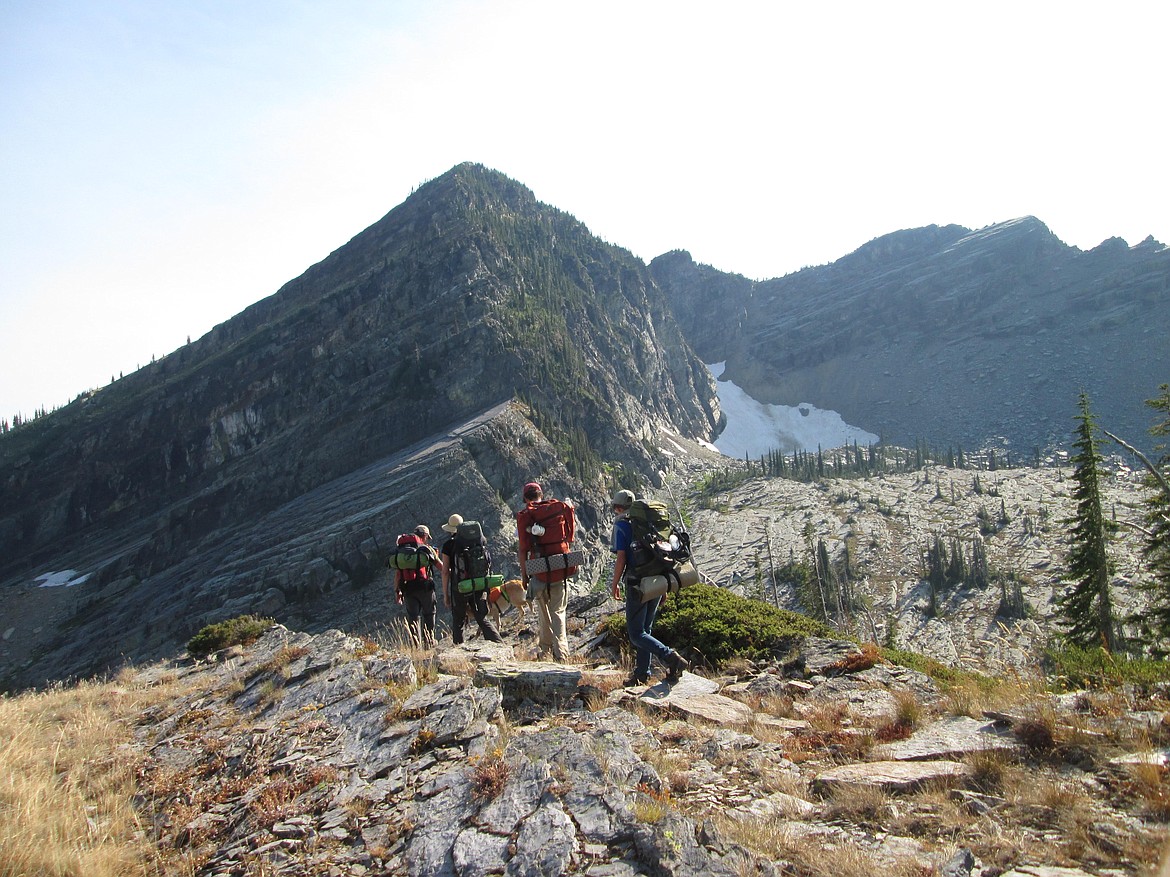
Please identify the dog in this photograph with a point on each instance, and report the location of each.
(512, 593)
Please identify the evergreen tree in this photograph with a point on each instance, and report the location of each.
(1086, 607)
(1157, 545)
(980, 576)
(957, 567)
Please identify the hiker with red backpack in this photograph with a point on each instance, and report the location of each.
(413, 563)
(467, 577)
(546, 529)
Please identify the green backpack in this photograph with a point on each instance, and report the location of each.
(473, 561)
(657, 546)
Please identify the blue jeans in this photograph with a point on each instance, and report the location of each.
(639, 623)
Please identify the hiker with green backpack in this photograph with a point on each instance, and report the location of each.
(635, 521)
(467, 576)
(413, 562)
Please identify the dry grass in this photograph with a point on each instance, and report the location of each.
(863, 805)
(1148, 784)
(972, 696)
(489, 775)
(652, 805)
(808, 854)
(905, 720)
(66, 786)
(988, 771)
(396, 638)
(278, 664)
(867, 657)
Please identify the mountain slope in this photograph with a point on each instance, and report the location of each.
(958, 337)
(468, 296)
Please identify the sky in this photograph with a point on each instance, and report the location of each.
(167, 164)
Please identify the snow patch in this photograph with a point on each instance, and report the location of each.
(755, 428)
(66, 578)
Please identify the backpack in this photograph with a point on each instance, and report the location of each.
(412, 557)
(472, 560)
(657, 546)
(552, 525)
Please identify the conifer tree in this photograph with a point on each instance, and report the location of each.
(1157, 544)
(1086, 607)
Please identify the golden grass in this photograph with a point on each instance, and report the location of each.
(489, 775)
(808, 854)
(652, 805)
(67, 782)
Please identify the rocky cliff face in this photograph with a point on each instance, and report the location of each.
(468, 296)
(957, 337)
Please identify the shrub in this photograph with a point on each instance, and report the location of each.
(948, 678)
(1072, 667)
(720, 625)
(241, 630)
(489, 776)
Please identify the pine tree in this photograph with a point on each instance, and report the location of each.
(1086, 607)
(980, 575)
(1157, 545)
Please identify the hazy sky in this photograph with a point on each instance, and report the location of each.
(166, 164)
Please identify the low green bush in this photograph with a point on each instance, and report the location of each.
(1071, 667)
(241, 630)
(945, 676)
(713, 622)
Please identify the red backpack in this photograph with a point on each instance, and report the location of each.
(557, 519)
(411, 558)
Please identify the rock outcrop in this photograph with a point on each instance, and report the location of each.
(327, 754)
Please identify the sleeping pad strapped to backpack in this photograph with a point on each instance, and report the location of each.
(473, 561)
(657, 547)
(412, 557)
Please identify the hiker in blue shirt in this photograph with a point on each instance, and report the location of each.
(639, 616)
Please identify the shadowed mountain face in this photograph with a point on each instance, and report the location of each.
(945, 334)
(469, 295)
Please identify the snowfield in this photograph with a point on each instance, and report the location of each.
(755, 428)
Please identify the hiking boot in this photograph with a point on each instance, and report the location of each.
(678, 665)
(634, 680)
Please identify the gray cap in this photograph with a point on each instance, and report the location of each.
(623, 498)
(422, 530)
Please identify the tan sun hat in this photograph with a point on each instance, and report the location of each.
(453, 523)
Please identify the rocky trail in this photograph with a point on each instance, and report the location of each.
(330, 755)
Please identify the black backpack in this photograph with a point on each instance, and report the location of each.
(470, 552)
(657, 546)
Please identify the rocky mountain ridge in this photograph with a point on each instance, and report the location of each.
(387, 367)
(469, 294)
(957, 337)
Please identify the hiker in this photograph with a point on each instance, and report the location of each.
(415, 588)
(546, 529)
(639, 616)
(454, 554)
